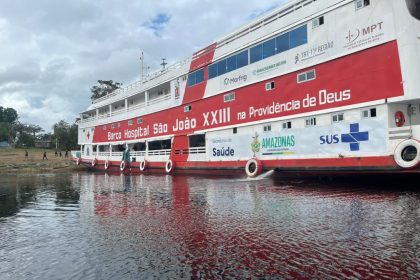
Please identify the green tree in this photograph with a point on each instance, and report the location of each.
(103, 88)
(8, 115)
(66, 135)
(8, 118)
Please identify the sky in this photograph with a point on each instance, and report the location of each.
(52, 52)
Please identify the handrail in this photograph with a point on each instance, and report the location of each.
(139, 84)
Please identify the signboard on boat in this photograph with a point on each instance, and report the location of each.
(343, 139)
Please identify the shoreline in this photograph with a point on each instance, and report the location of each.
(12, 160)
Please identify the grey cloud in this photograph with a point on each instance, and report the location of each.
(54, 51)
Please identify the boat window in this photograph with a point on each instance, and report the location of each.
(196, 77)
(267, 128)
(369, 113)
(242, 59)
(212, 71)
(160, 145)
(270, 86)
(199, 76)
(197, 140)
(361, 4)
(287, 125)
(338, 117)
(310, 122)
(317, 22)
(256, 53)
(299, 36)
(269, 48)
(139, 147)
(187, 108)
(282, 43)
(229, 97)
(221, 67)
(231, 63)
(306, 76)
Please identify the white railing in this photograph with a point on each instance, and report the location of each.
(137, 106)
(138, 154)
(158, 100)
(142, 84)
(119, 112)
(199, 150)
(159, 152)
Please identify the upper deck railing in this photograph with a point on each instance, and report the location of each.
(143, 83)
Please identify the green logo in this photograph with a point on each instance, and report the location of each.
(278, 142)
(255, 144)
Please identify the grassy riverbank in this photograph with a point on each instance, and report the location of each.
(13, 160)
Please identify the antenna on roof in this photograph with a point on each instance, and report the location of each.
(164, 63)
(143, 67)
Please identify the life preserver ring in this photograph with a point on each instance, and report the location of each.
(253, 167)
(94, 162)
(407, 153)
(78, 160)
(169, 166)
(123, 165)
(106, 164)
(143, 165)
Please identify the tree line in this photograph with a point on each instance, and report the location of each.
(24, 135)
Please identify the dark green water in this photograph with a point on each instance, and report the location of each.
(96, 226)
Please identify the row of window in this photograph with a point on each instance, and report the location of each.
(118, 125)
(284, 42)
(311, 121)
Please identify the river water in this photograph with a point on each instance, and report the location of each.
(96, 226)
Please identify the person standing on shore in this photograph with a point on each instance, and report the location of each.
(56, 154)
(66, 155)
(44, 156)
(26, 154)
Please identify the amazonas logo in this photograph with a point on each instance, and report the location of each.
(354, 138)
(279, 145)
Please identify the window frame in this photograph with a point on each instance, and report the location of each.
(338, 117)
(267, 128)
(305, 75)
(360, 4)
(369, 113)
(229, 97)
(187, 108)
(286, 125)
(312, 122)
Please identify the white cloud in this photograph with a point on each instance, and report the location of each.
(52, 52)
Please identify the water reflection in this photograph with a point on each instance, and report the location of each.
(96, 226)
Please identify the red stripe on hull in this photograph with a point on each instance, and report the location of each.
(336, 165)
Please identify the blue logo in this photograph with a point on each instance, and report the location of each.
(355, 137)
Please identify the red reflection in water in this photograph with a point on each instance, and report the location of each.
(264, 231)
